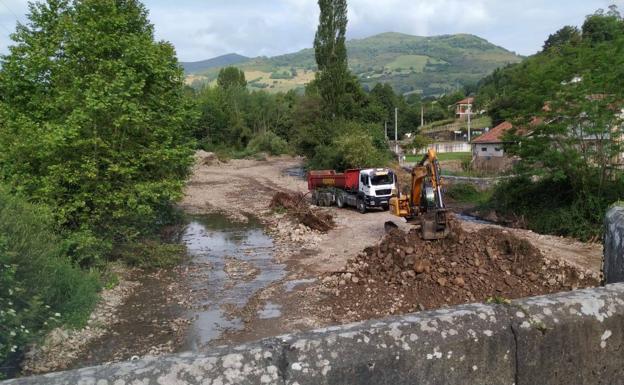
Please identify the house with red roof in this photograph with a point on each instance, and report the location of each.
(488, 152)
(464, 107)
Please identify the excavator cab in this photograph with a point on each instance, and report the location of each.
(424, 203)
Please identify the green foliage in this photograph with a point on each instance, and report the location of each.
(555, 206)
(574, 149)
(564, 36)
(467, 193)
(418, 143)
(354, 145)
(331, 55)
(231, 77)
(282, 75)
(151, 254)
(39, 286)
(231, 118)
(603, 27)
(268, 142)
(93, 117)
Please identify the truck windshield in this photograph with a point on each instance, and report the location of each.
(378, 180)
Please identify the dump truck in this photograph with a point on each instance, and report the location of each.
(360, 188)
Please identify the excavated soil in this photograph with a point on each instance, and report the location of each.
(403, 274)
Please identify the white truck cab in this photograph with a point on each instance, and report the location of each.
(376, 187)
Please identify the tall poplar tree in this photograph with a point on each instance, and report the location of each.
(331, 55)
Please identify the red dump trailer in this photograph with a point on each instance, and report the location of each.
(330, 178)
(359, 188)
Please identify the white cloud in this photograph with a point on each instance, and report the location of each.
(204, 29)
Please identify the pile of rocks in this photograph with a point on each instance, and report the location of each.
(297, 233)
(405, 273)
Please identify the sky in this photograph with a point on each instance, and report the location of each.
(202, 29)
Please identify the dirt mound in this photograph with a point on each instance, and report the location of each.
(206, 158)
(404, 273)
(297, 205)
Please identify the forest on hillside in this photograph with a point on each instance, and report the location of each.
(567, 107)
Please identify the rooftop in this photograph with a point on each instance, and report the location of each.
(495, 135)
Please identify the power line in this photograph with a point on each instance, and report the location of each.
(6, 29)
(10, 10)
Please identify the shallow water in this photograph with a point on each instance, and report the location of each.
(470, 218)
(210, 240)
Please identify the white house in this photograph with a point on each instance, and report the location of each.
(464, 107)
(488, 152)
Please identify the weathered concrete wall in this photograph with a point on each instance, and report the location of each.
(570, 338)
(614, 245)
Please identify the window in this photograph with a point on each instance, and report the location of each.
(497, 149)
(483, 149)
(382, 179)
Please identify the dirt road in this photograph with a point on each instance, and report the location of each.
(245, 187)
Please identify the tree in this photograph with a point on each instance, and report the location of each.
(231, 77)
(384, 94)
(331, 55)
(601, 26)
(566, 35)
(93, 116)
(569, 100)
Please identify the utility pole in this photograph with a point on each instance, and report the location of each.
(469, 113)
(386, 128)
(396, 131)
(422, 115)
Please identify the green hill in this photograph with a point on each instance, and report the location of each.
(429, 65)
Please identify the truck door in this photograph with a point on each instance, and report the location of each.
(365, 184)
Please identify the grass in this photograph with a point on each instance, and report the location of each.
(472, 173)
(454, 125)
(405, 62)
(443, 156)
(40, 287)
(467, 193)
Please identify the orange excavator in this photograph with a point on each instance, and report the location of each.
(424, 202)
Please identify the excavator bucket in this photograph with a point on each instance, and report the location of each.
(435, 225)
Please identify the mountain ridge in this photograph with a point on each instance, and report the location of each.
(430, 65)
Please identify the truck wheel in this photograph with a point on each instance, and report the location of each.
(385, 207)
(315, 200)
(361, 206)
(339, 201)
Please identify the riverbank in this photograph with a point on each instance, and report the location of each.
(255, 272)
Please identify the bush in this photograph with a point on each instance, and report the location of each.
(466, 193)
(556, 206)
(357, 146)
(39, 285)
(270, 143)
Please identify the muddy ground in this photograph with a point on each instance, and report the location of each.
(313, 258)
(255, 271)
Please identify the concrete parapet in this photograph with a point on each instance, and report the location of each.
(568, 338)
(614, 245)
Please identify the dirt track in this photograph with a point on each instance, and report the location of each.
(246, 187)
